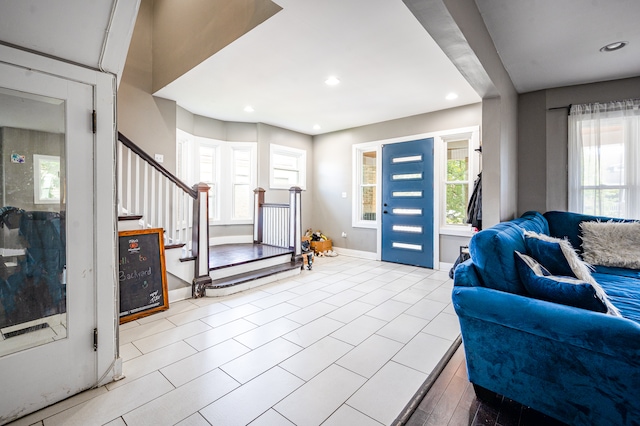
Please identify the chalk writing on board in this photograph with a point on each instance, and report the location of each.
(142, 273)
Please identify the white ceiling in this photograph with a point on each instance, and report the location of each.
(388, 66)
(554, 43)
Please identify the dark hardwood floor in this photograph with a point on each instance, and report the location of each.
(452, 401)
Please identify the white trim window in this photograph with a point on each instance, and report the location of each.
(46, 179)
(288, 167)
(459, 170)
(604, 153)
(366, 164)
(229, 168)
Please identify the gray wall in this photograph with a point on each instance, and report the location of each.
(264, 135)
(332, 173)
(17, 178)
(543, 134)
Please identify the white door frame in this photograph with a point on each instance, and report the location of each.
(108, 364)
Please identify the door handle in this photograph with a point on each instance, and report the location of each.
(385, 212)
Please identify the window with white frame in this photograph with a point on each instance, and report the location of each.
(365, 188)
(459, 170)
(230, 170)
(288, 167)
(604, 153)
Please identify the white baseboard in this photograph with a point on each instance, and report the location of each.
(178, 294)
(356, 253)
(445, 266)
(231, 239)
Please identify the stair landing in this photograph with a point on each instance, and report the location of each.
(238, 267)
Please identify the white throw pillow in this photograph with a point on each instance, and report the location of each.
(611, 243)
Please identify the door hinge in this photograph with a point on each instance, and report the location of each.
(94, 121)
(95, 339)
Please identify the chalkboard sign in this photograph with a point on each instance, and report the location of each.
(142, 273)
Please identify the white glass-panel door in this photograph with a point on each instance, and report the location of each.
(47, 290)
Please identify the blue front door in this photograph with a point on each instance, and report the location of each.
(407, 203)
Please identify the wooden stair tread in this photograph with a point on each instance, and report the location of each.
(254, 275)
(130, 217)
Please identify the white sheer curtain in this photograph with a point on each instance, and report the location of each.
(604, 158)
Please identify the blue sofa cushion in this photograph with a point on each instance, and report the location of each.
(557, 255)
(567, 225)
(624, 293)
(492, 251)
(541, 284)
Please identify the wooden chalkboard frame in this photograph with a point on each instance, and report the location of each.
(158, 259)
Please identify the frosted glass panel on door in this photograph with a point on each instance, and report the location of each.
(409, 159)
(33, 298)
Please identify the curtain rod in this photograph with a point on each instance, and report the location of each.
(567, 107)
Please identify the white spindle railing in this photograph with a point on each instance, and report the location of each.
(278, 224)
(146, 188)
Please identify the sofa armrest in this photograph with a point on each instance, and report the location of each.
(592, 331)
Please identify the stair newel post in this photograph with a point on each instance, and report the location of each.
(295, 221)
(200, 240)
(258, 195)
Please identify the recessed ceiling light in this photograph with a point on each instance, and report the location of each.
(332, 81)
(451, 96)
(248, 108)
(316, 127)
(614, 46)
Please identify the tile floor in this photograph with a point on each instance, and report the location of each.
(347, 343)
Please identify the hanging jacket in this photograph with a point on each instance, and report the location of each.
(474, 209)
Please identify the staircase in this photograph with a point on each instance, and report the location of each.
(149, 196)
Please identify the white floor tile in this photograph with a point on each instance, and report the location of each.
(230, 315)
(145, 330)
(220, 334)
(403, 328)
(317, 399)
(340, 286)
(175, 308)
(350, 311)
(128, 351)
(310, 333)
(344, 297)
(427, 284)
(113, 404)
(441, 294)
(271, 418)
(194, 420)
(312, 360)
(197, 313)
(272, 313)
(444, 325)
(385, 395)
(369, 357)
(411, 295)
(182, 402)
(312, 312)
(274, 299)
(426, 309)
(368, 286)
(423, 352)
(165, 338)
(346, 415)
(151, 362)
(378, 296)
(117, 422)
(388, 310)
(358, 330)
(244, 297)
(256, 362)
(309, 298)
(251, 400)
(266, 333)
(192, 367)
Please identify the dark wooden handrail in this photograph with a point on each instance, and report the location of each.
(166, 173)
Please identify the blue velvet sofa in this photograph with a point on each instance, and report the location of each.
(576, 365)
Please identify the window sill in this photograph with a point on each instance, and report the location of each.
(457, 231)
(362, 224)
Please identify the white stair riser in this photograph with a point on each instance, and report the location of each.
(225, 291)
(182, 270)
(250, 266)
